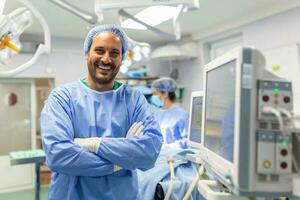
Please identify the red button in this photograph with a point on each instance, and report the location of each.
(283, 165)
(265, 98)
(284, 152)
(287, 99)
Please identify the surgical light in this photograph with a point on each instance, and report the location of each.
(124, 68)
(162, 14)
(136, 49)
(137, 56)
(125, 65)
(12, 26)
(138, 52)
(6, 42)
(146, 51)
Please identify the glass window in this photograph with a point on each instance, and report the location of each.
(220, 47)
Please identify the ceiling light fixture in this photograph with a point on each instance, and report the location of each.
(162, 14)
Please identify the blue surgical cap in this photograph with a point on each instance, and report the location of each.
(165, 84)
(104, 29)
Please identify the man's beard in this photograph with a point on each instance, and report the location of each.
(92, 72)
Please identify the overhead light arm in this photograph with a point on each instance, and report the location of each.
(176, 23)
(42, 48)
(89, 17)
(117, 4)
(166, 35)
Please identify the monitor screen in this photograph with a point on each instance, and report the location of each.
(196, 119)
(219, 110)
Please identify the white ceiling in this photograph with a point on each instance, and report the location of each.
(212, 17)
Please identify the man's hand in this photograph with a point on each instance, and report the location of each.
(91, 144)
(135, 130)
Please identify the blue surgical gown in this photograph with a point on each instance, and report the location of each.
(75, 111)
(173, 124)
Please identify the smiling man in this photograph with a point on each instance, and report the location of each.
(96, 131)
(104, 61)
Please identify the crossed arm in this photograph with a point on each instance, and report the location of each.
(92, 144)
(64, 155)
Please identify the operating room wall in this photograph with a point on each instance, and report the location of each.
(278, 30)
(190, 77)
(272, 32)
(63, 67)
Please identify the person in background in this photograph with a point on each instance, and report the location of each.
(96, 131)
(172, 119)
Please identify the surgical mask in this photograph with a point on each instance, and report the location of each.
(155, 100)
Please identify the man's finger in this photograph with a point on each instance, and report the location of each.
(139, 131)
(135, 128)
(130, 132)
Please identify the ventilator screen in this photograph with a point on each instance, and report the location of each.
(196, 119)
(219, 112)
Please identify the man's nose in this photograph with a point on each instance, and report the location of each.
(106, 58)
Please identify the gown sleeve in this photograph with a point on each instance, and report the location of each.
(181, 130)
(138, 152)
(62, 154)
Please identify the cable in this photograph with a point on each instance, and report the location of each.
(296, 127)
(271, 110)
(200, 172)
(172, 177)
(286, 112)
(291, 118)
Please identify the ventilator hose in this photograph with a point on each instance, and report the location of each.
(194, 183)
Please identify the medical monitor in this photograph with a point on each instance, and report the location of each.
(220, 104)
(221, 115)
(229, 139)
(195, 119)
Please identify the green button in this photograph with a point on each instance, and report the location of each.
(283, 142)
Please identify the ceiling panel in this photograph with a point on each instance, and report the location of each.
(211, 15)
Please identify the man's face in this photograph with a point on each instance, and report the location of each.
(104, 58)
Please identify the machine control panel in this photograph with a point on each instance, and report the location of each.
(273, 152)
(273, 144)
(276, 94)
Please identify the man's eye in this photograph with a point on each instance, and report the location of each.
(99, 51)
(115, 53)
